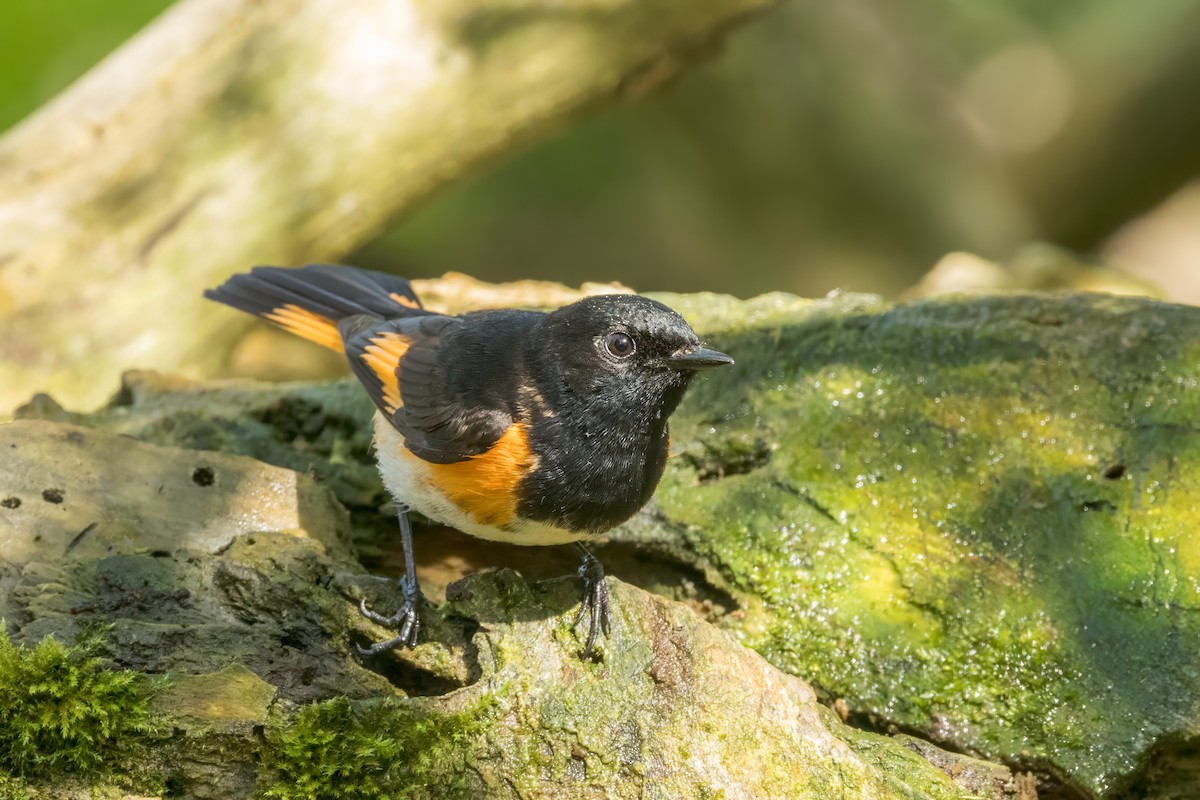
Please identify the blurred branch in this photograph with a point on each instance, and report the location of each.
(1163, 246)
(1131, 139)
(233, 132)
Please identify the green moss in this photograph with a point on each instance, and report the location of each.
(971, 518)
(12, 788)
(63, 710)
(372, 749)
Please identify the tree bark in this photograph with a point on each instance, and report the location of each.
(971, 518)
(253, 615)
(234, 132)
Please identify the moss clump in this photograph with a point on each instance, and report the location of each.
(971, 518)
(371, 749)
(63, 710)
(12, 788)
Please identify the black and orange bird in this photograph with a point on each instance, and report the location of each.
(517, 426)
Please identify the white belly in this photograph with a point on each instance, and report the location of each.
(408, 479)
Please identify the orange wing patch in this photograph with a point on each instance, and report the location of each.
(407, 302)
(485, 486)
(310, 325)
(383, 356)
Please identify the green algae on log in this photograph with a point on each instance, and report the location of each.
(972, 517)
(966, 516)
(664, 715)
(265, 699)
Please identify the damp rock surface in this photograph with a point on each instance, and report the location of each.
(972, 517)
(244, 639)
(966, 518)
(74, 491)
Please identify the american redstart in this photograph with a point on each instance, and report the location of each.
(517, 426)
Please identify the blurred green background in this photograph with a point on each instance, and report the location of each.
(828, 145)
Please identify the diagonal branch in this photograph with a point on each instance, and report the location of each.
(233, 132)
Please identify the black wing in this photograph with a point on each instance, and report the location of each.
(399, 363)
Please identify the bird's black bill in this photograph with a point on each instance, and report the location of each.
(701, 358)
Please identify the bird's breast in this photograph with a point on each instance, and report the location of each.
(480, 496)
(592, 480)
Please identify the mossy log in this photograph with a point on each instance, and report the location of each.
(966, 517)
(253, 628)
(235, 132)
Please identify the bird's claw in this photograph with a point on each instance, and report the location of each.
(595, 601)
(407, 620)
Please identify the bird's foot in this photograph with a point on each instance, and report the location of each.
(595, 601)
(407, 621)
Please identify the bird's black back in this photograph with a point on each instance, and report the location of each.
(595, 427)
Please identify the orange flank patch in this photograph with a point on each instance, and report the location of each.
(383, 356)
(307, 324)
(407, 302)
(485, 486)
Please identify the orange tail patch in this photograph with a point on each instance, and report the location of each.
(308, 324)
(407, 302)
(383, 356)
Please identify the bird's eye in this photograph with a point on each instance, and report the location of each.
(619, 344)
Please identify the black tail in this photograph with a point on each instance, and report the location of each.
(310, 301)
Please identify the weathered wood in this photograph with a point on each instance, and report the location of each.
(968, 517)
(233, 132)
(254, 624)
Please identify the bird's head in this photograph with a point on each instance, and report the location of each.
(623, 352)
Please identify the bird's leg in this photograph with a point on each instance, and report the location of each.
(595, 598)
(407, 620)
